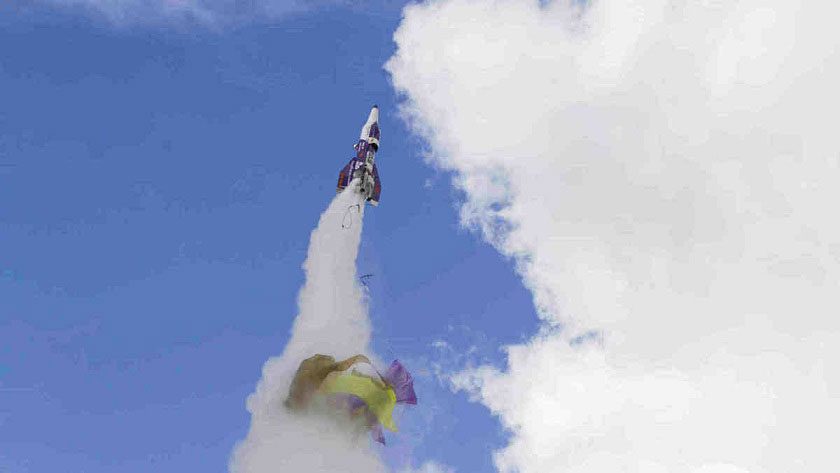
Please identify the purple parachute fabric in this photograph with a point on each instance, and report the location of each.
(352, 404)
(400, 379)
(403, 384)
(376, 433)
(347, 401)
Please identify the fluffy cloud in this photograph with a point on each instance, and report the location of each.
(662, 173)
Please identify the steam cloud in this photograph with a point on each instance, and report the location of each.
(665, 176)
(332, 320)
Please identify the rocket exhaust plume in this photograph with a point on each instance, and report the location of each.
(332, 319)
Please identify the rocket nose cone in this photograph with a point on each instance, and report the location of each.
(374, 115)
(370, 130)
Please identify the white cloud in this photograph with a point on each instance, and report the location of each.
(207, 13)
(663, 172)
(429, 467)
(204, 12)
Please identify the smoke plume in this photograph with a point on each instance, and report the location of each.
(332, 320)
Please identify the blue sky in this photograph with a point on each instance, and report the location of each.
(158, 184)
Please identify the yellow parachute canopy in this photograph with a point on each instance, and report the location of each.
(379, 398)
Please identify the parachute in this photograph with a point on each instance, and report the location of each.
(372, 399)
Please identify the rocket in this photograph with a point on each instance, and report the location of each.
(361, 170)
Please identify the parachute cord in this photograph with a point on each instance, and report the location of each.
(347, 221)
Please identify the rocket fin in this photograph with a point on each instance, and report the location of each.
(377, 187)
(344, 177)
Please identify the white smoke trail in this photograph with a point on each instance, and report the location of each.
(332, 320)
